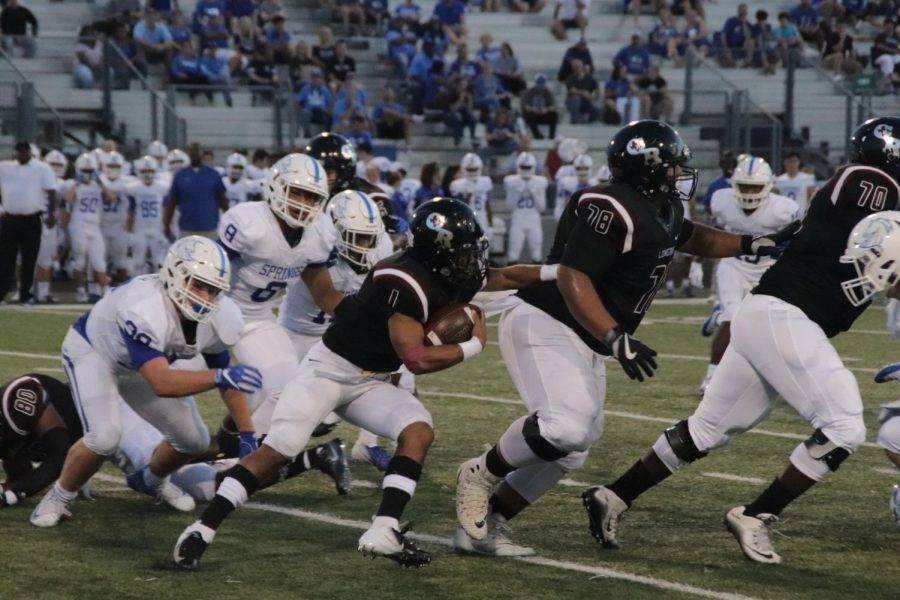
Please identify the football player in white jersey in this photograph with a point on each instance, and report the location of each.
(568, 185)
(159, 152)
(85, 202)
(526, 197)
(474, 189)
(50, 236)
(362, 241)
(889, 418)
(794, 183)
(114, 219)
(238, 187)
(122, 348)
(272, 245)
(145, 209)
(748, 207)
(176, 160)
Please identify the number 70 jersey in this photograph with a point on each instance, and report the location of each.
(263, 263)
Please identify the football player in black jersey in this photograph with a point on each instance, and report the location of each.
(38, 424)
(614, 244)
(350, 372)
(780, 347)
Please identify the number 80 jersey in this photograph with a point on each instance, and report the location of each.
(263, 262)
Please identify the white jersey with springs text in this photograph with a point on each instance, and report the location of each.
(263, 263)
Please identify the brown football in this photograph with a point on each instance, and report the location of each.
(450, 325)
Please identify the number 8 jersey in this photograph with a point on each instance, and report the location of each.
(263, 261)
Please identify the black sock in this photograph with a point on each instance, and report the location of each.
(496, 465)
(637, 480)
(772, 501)
(399, 485)
(499, 507)
(220, 506)
(309, 456)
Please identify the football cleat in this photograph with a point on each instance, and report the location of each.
(331, 459)
(392, 544)
(474, 485)
(376, 456)
(496, 543)
(752, 533)
(167, 492)
(604, 510)
(712, 321)
(888, 373)
(895, 503)
(191, 545)
(51, 510)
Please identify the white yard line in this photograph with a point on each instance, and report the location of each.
(29, 355)
(617, 413)
(574, 483)
(730, 477)
(596, 572)
(886, 470)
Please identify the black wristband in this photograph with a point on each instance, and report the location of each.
(747, 244)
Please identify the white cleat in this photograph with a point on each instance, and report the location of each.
(604, 510)
(50, 510)
(172, 495)
(497, 542)
(752, 533)
(474, 486)
(390, 543)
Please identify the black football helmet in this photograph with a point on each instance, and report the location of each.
(877, 143)
(336, 153)
(644, 154)
(447, 238)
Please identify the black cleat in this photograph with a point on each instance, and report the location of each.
(331, 459)
(392, 544)
(189, 549)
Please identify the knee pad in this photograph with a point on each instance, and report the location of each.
(196, 443)
(679, 438)
(823, 449)
(558, 439)
(104, 441)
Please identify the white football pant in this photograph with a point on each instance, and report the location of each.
(524, 227)
(88, 247)
(732, 284)
(48, 249)
(144, 241)
(117, 249)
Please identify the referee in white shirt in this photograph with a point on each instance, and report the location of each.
(27, 190)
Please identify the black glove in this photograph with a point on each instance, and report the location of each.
(771, 244)
(632, 354)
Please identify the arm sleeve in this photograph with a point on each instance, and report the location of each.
(56, 443)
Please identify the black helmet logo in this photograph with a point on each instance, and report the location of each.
(637, 147)
(443, 237)
(885, 133)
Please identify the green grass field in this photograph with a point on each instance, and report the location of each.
(298, 540)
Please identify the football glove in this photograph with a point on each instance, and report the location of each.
(635, 357)
(239, 377)
(771, 244)
(248, 443)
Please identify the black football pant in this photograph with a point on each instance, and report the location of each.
(19, 234)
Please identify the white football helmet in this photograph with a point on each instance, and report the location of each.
(752, 181)
(603, 174)
(194, 262)
(873, 249)
(526, 165)
(176, 160)
(35, 151)
(158, 151)
(237, 164)
(471, 166)
(146, 168)
(113, 166)
(358, 221)
(85, 167)
(569, 148)
(583, 165)
(58, 162)
(296, 174)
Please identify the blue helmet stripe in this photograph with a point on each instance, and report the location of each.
(316, 174)
(368, 204)
(750, 168)
(223, 259)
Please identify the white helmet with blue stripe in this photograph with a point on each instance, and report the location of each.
(296, 189)
(358, 221)
(752, 181)
(195, 273)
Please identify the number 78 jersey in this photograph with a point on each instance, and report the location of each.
(263, 262)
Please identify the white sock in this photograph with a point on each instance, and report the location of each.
(386, 522)
(367, 438)
(64, 493)
(43, 289)
(207, 533)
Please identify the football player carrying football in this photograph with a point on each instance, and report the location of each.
(351, 371)
(846, 251)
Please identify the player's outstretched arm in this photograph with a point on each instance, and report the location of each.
(167, 382)
(716, 243)
(318, 280)
(517, 277)
(408, 339)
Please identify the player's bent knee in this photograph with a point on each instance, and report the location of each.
(552, 439)
(407, 416)
(103, 441)
(572, 461)
(196, 443)
(416, 435)
(848, 433)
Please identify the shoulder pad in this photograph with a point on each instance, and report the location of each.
(241, 228)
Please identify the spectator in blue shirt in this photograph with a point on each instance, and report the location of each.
(417, 75)
(279, 40)
(452, 14)
(213, 33)
(217, 71)
(198, 193)
(766, 54)
(358, 133)
(694, 34)
(434, 34)
(487, 91)
(314, 101)
(154, 38)
(488, 52)
(500, 136)
(401, 41)
(235, 9)
(663, 39)
(735, 41)
(463, 66)
(178, 29)
(351, 98)
(202, 10)
(430, 176)
(634, 56)
(410, 13)
(806, 18)
(391, 118)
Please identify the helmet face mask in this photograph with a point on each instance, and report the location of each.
(194, 273)
(85, 168)
(146, 168)
(526, 164)
(296, 190)
(447, 238)
(873, 249)
(358, 222)
(752, 181)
